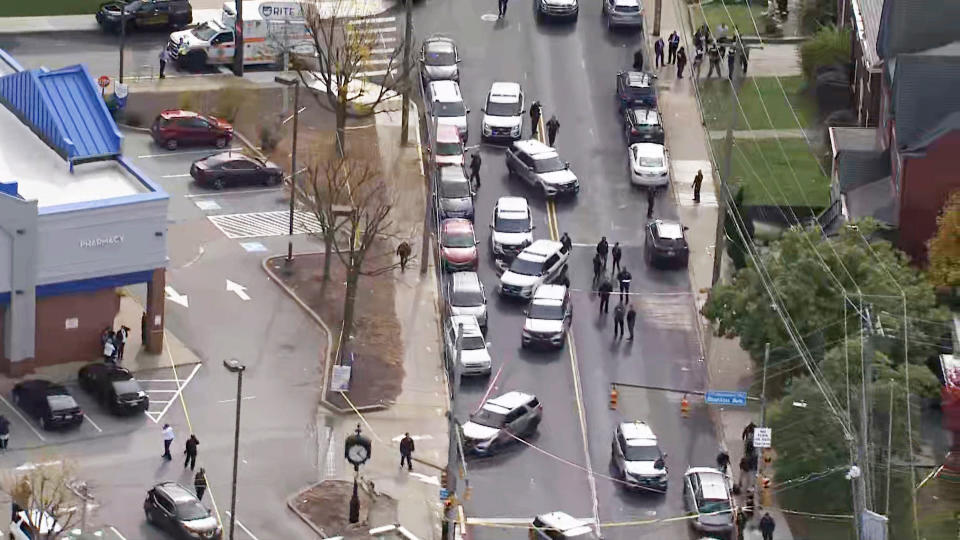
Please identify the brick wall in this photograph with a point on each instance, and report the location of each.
(927, 181)
(91, 312)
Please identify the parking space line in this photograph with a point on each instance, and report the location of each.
(92, 423)
(175, 153)
(116, 532)
(29, 425)
(242, 527)
(158, 380)
(162, 391)
(235, 192)
(234, 400)
(179, 390)
(175, 175)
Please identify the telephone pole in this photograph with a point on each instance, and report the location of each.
(453, 449)
(725, 190)
(238, 40)
(407, 87)
(658, 9)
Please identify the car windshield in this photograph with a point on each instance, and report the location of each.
(552, 312)
(641, 453)
(448, 109)
(129, 386)
(489, 418)
(503, 109)
(449, 149)
(205, 31)
(549, 164)
(454, 190)
(511, 225)
(714, 505)
(61, 402)
(467, 298)
(458, 239)
(473, 343)
(627, 9)
(440, 55)
(191, 510)
(526, 267)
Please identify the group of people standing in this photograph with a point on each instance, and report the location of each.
(190, 451)
(715, 49)
(624, 312)
(114, 342)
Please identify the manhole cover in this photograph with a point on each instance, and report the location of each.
(489, 17)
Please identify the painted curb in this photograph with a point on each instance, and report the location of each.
(291, 504)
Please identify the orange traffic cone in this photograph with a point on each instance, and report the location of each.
(614, 396)
(684, 407)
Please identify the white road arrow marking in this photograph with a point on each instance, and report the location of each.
(174, 296)
(239, 289)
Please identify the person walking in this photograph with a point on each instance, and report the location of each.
(121, 341)
(553, 126)
(597, 268)
(168, 437)
(191, 451)
(4, 432)
(713, 54)
(535, 110)
(697, 181)
(673, 42)
(743, 483)
(723, 461)
(602, 246)
(501, 9)
(403, 251)
(616, 253)
(406, 450)
(566, 241)
(747, 433)
(731, 58)
(624, 279)
(658, 52)
(631, 319)
(110, 348)
(164, 58)
(200, 483)
(475, 168)
(605, 289)
(618, 321)
(681, 62)
(767, 525)
(638, 60)
(651, 198)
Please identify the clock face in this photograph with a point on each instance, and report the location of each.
(357, 453)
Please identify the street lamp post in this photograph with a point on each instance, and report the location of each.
(292, 80)
(234, 366)
(123, 35)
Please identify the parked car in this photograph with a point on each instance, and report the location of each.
(636, 89)
(175, 509)
(623, 13)
(548, 317)
(175, 127)
(666, 243)
(642, 124)
(48, 402)
(145, 14)
(540, 166)
(454, 193)
(446, 105)
(114, 387)
(706, 495)
(557, 9)
(649, 165)
(458, 245)
(511, 229)
(439, 59)
(637, 457)
(474, 356)
(560, 526)
(449, 146)
(499, 420)
(466, 296)
(20, 526)
(229, 169)
(541, 262)
(503, 113)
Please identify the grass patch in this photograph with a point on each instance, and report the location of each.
(776, 185)
(733, 15)
(19, 8)
(715, 95)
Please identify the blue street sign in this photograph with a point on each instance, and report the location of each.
(444, 493)
(723, 397)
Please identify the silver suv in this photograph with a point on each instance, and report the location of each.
(499, 420)
(548, 317)
(560, 526)
(467, 297)
(541, 262)
(707, 496)
(474, 356)
(540, 166)
(623, 13)
(637, 457)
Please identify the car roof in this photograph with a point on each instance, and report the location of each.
(638, 433)
(668, 229)
(43, 385)
(176, 492)
(550, 293)
(446, 91)
(535, 148)
(440, 43)
(447, 133)
(637, 79)
(466, 280)
(470, 325)
(542, 248)
(178, 113)
(560, 521)
(649, 149)
(645, 115)
(457, 225)
(452, 173)
(505, 92)
(509, 401)
(512, 204)
(712, 482)
(627, 2)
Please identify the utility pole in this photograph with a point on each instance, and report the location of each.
(763, 421)
(886, 511)
(427, 213)
(238, 41)
(407, 87)
(866, 366)
(656, 17)
(722, 201)
(454, 442)
(123, 35)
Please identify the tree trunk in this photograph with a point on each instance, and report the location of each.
(341, 114)
(349, 302)
(328, 240)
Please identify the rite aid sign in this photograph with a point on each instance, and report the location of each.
(281, 11)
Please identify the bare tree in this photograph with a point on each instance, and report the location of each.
(42, 490)
(343, 46)
(326, 192)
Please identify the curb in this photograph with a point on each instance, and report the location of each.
(291, 504)
(134, 128)
(252, 147)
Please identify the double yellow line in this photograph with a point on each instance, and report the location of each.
(552, 223)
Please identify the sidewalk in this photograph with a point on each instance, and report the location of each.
(729, 367)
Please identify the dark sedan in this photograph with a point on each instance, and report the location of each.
(666, 243)
(114, 387)
(49, 402)
(641, 124)
(233, 169)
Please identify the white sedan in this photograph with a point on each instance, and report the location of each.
(649, 165)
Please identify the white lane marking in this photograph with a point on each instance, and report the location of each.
(414, 437)
(246, 530)
(257, 224)
(377, 73)
(175, 175)
(235, 399)
(32, 466)
(176, 297)
(157, 380)
(578, 392)
(175, 153)
(162, 391)
(17, 412)
(238, 289)
(426, 478)
(178, 392)
(289, 118)
(116, 532)
(92, 423)
(226, 193)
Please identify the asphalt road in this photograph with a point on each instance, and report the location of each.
(571, 69)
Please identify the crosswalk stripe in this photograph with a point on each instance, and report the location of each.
(375, 61)
(379, 73)
(259, 224)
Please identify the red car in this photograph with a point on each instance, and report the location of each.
(175, 127)
(458, 245)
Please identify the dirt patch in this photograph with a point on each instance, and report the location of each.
(327, 504)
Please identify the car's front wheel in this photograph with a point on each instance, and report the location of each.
(217, 183)
(273, 179)
(171, 144)
(220, 142)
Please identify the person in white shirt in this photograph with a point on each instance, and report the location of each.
(167, 441)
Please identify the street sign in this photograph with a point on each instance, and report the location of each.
(762, 437)
(723, 397)
(444, 494)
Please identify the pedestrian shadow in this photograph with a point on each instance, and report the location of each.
(500, 24)
(163, 468)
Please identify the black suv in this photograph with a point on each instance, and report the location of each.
(114, 387)
(144, 14)
(636, 88)
(51, 403)
(642, 125)
(666, 243)
(177, 510)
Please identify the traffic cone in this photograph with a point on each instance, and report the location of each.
(684, 407)
(614, 396)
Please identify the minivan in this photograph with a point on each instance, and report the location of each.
(467, 297)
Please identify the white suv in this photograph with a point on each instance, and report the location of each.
(503, 114)
(474, 357)
(540, 166)
(638, 459)
(511, 229)
(541, 262)
(499, 420)
(548, 317)
(446, 105)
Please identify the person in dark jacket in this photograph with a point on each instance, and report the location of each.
(767, 525)
(723, 461)
(597, 268)
(190, 449)
(618, 314)
(616, 253)
(624, 278)
(200, 483)
(535, 110)
(605, 289)
(713, 54)
(672, 43)
(658, 52)
(697, 181)
(602, 247)
(651, 198)
(475, 168)
(403, 251)
(631, 320)
(406, 451)
(120, 339)
(681, 62)
(566, 241)
(553, 126)
(638, 60)
(4, 432)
